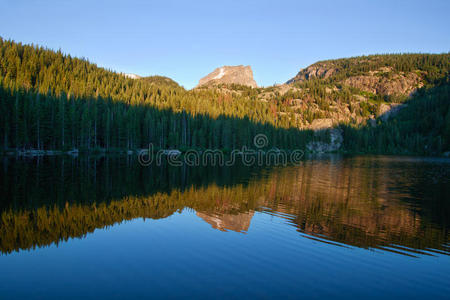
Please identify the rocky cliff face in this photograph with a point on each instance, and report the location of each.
(380, 80)
(318, 70)
(390, 84)
(242, 75)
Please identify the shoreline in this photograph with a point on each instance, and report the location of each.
(102, 151)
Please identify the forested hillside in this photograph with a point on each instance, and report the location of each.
(53, 101)
(396, 103)
(382, 104)
(421, 127)
(432, 67)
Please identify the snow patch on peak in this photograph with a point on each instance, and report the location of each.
(132, 76)
(220, 75)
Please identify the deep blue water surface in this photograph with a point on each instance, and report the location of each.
(334, 226)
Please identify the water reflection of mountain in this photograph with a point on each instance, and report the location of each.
(363, 201)
(239, 222)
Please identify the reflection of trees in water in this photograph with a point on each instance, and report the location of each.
(55, 199)
(28, 228)
(366, 202)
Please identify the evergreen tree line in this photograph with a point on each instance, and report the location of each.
(33, 68)
(433, 67)
(30, 120)
(422, 126)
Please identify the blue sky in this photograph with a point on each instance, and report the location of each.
(186, 40)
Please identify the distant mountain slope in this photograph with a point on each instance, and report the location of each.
(383, 103)
(161, 81)
(390, 74)
(155, 80)
(241, 75)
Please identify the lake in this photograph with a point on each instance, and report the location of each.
(333, 226)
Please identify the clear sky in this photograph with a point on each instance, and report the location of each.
(186, 40)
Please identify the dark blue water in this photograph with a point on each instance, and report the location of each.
(333, 227)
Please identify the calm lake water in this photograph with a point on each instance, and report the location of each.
(364, 226)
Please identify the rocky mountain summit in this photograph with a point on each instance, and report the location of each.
(242, 75)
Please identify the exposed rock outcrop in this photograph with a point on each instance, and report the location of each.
(334, 144)
(396, 84)
(381, 81)
(242, 75)
(387, 111)
(320, 124)
(323, 127)
(319, 70)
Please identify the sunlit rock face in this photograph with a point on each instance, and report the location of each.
(242, 75)
(383, 81)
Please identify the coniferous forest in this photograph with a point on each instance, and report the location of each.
(422, 127)
(52, 101)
